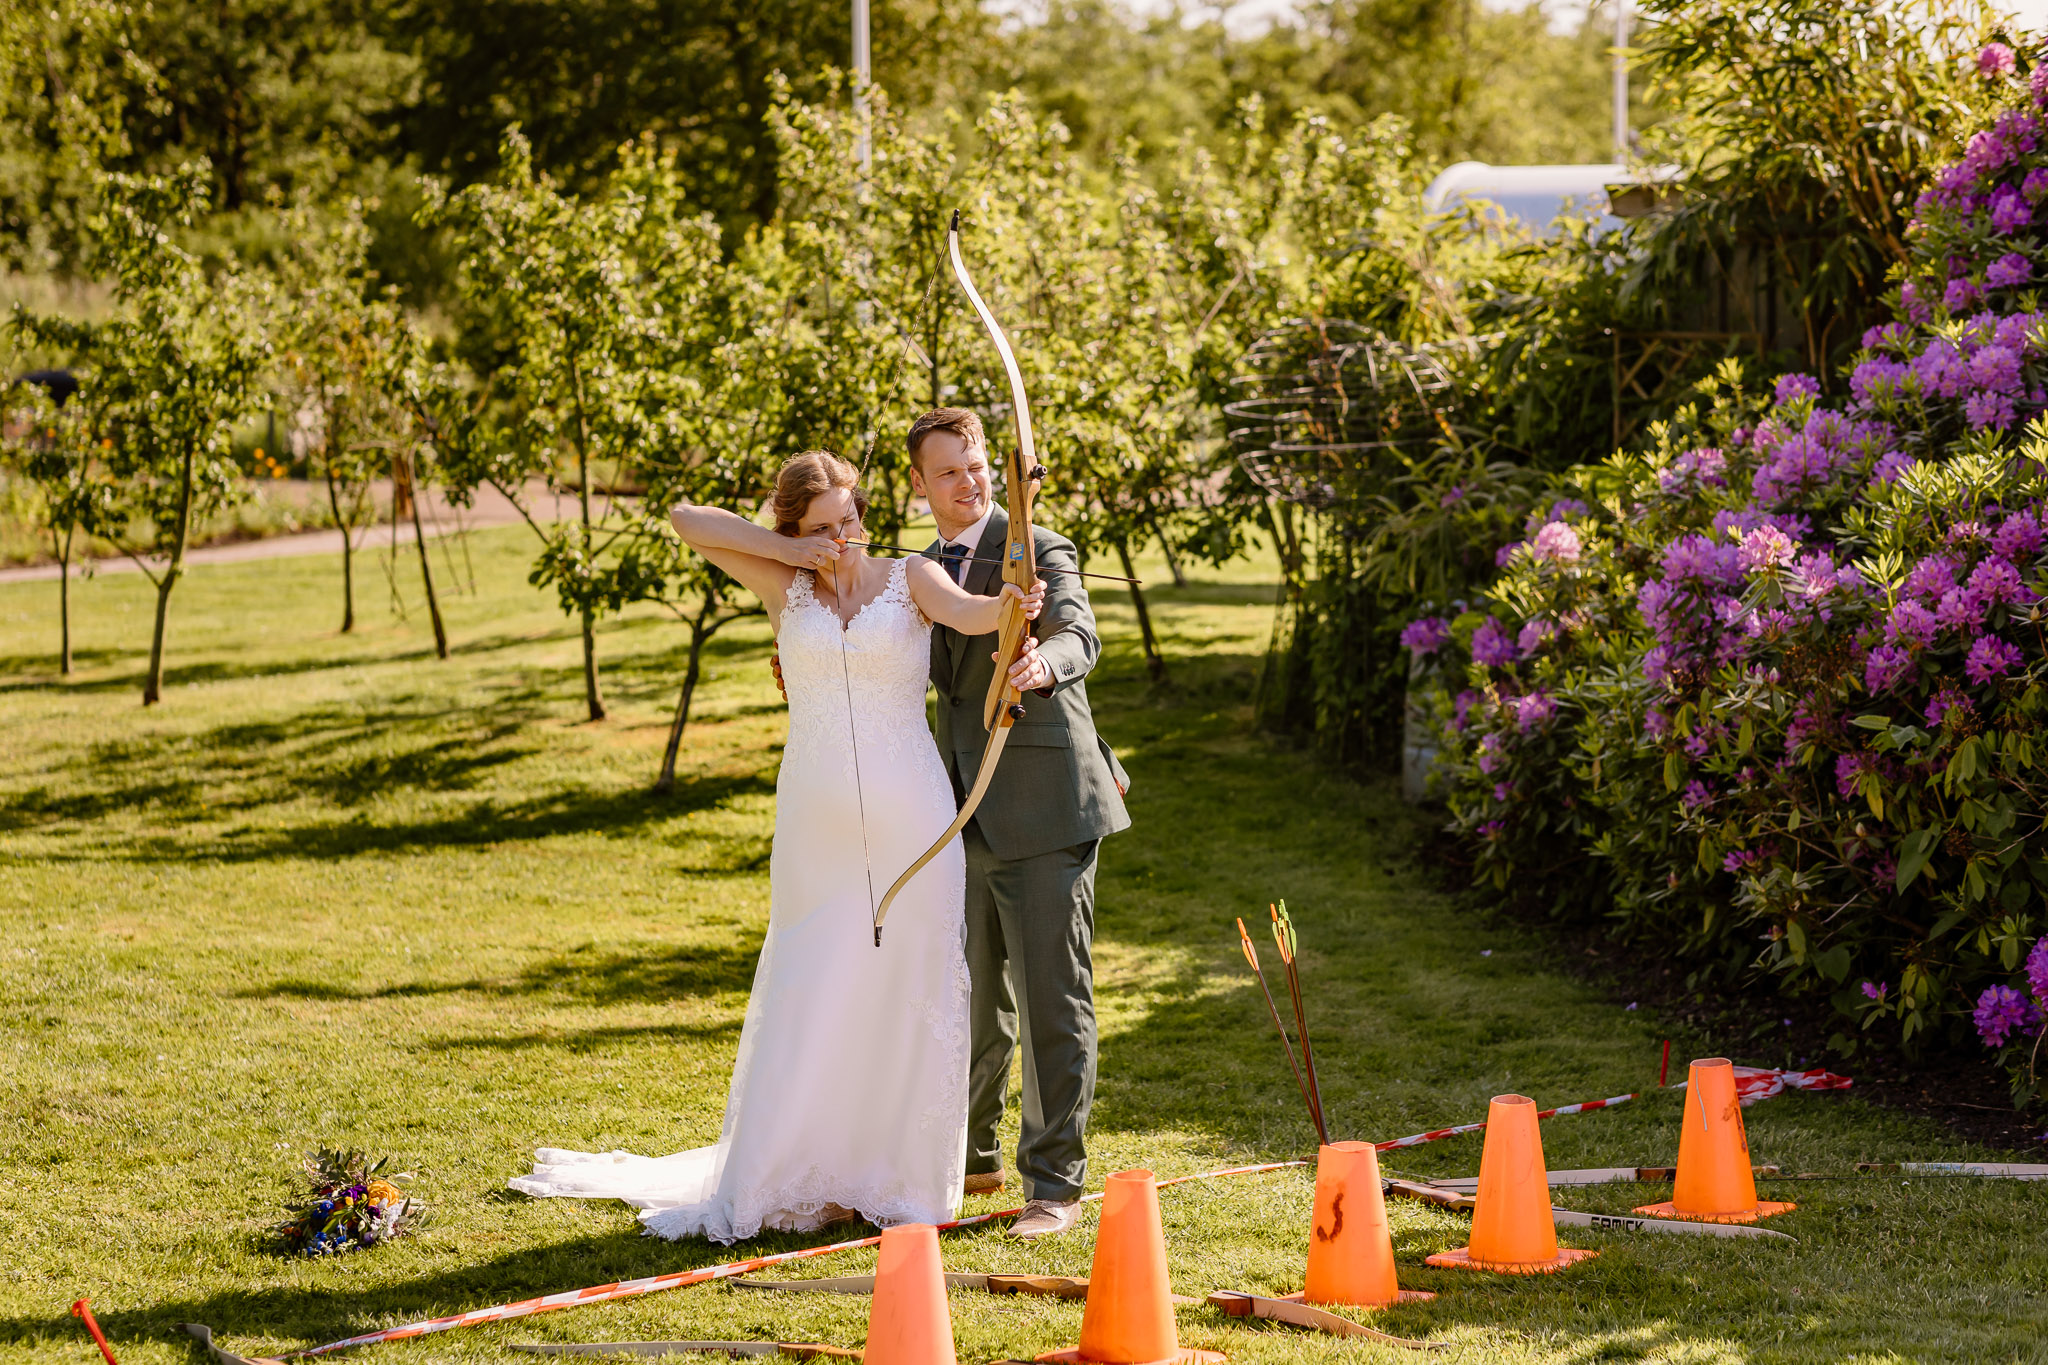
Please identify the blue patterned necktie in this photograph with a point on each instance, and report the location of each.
(953, 556)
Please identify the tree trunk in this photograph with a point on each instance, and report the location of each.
(1154, 664)
(700, 631)
(419, 538)
(593, 695)
(1180, 579)
(1281, 590)
(348, 557)
(153, 684)
(64, 602)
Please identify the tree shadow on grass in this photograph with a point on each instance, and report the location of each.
(345, 756)
(313, 1314)
(177, 676)
(483, 823)
(587, 1040)
(592, 976)
(335, 752)
(39, 667)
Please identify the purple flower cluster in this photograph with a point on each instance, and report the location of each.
(1532, 709)
(1492, 646)
(1425, 635)
(2001, 1012)
(2004, 1011)
(1821, 448)
(1789, 711)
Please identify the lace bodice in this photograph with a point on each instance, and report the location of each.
(880, 662)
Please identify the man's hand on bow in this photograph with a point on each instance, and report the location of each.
(1031, 673)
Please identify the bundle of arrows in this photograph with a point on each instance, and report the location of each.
(1304, 1067)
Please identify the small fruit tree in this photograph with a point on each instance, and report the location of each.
(172, 369)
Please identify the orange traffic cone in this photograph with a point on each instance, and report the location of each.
(1351, 1249)
(1129, 1318)
(1714, 1184)
(1512, 1230)
(908, 1320)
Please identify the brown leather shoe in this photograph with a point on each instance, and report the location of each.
(1046, 1218)
(984, 1182)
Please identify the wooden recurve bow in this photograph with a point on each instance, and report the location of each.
(1004, 705)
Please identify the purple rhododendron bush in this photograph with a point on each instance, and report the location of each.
(1772, 694)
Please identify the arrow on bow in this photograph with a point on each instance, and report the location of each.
(1004, 706)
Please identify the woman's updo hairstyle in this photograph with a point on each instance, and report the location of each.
(805, 477)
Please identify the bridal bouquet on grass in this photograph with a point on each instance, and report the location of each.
(347, 1206)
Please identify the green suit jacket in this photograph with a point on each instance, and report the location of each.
(1056, 783)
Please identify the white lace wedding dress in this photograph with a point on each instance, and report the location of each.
(850, 1087)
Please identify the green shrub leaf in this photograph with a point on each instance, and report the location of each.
(1914, 853)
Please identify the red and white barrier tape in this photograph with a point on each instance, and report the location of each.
(1753, 1083)
(679, 1279)
(1416, 1140)
(653, 1284)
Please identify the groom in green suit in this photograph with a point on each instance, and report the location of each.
(1031, 846)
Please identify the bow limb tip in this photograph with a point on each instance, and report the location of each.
(956, 221)
(878, 935)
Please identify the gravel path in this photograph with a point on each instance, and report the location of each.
(492, 509)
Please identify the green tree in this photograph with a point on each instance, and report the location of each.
(276, 94)
(57, 444)
(68, 70)
(877, 330)
(584, 297)
(697, 75)
(335, 345)
(1806, 129)
(176, 365)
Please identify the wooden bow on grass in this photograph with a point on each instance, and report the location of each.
(1004, 705)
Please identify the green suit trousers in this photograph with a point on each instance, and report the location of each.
(1030, 951)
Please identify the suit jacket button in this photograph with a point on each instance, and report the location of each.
(956, 701)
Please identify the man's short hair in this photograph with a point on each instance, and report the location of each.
(959, 421)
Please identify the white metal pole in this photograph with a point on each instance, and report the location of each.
(863, 74)
(1620, 79)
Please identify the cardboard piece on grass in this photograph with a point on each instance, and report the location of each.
(1989, 1170)
(1572, 1218)
(1597, 1175)
(1051, 1286)
(801, 1350)
(1037, 1286)
(1295, 1313)
(1612, 1222)
(204, 1335)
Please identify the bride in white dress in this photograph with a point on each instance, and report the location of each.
(849, 1094)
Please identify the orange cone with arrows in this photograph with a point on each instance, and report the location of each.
(1129, 1318)
(1714, 1182)
(1350, 1248)
(909, 1321)
(1512, 1230)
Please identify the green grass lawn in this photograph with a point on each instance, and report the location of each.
(334, 891)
